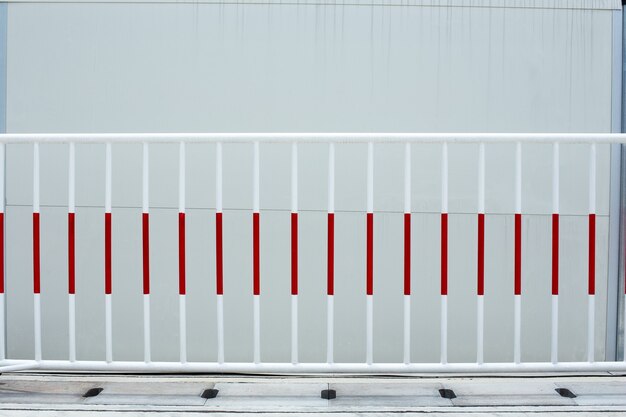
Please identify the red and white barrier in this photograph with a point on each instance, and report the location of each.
(406, 365)
(71, 251)
(330, 259)
(182, 291)
(145, 238)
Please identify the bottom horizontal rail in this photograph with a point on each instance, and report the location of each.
(306, 368)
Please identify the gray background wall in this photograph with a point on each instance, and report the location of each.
(504, 66)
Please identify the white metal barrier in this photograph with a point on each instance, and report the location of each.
(369, 366)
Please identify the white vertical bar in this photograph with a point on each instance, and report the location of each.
(218, 178)
(517, 329)
(145, 178)
(182, 310)
(181, 178)
(518, 178)
(369, 355)
(444, 298)
(108, 328)
(592, 179)
(444, 178)
(294, 329)
(517, 326)
(36, 178)
(329, 328)
(591, 309)
(331, 178)
(480, 305)
(407, 329)
(107, 179)
(37, 309)
(624, 344)
(72, 326)
(444, 329)
(481, 178)
(330, 308)
(255, 183)
(257, 329)
(591, 305)
(407, 210)
(554, 348)
(480, 331)
(370, 177)
(407, 177)
(71, 186)
(36, 297)
(220, 329)
(146, 329)
(218, 209)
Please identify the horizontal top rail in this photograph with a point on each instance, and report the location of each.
(309, 137)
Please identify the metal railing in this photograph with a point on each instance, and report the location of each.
(368, 366)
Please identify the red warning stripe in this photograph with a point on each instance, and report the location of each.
(145, 218)
(71, 257)
(181, 254)
(330, 285)
(294, 253)
(255, 255)
(481, 255)
(370, 253)
(555, 254)
(107, 253)
(518, 254)
(407, 253)
(36, 267)
(444, 253)
(592, 254)
(219, 265)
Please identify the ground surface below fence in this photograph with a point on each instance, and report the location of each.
(61, 395)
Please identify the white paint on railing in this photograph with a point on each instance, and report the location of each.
(369, 346)
(257, 329)
(407, 329)
(108, 328)
(147, 357)
(591, 313)
(220, 329)
(330, 312)
(554, 347)
(182, 314)
(444, 330)
(37, 308)
(71, 299)
(517, 329)
(107, 178)
(145, 178)
(294, 328)
(308, 137)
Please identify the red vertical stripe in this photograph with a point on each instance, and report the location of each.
(71, 258)
(444, 253)
(219, 266)
(330, 285)
(145, 217)
(36, 276)
(370, 253)
(107, 253)
(481, 254)
(1, 253)
(294, 253)
(407, 253)
(555, 254)
(518, 254)
(181, 253)
(592, 254)
(255, 255)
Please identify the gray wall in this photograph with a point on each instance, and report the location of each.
(135, 67)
